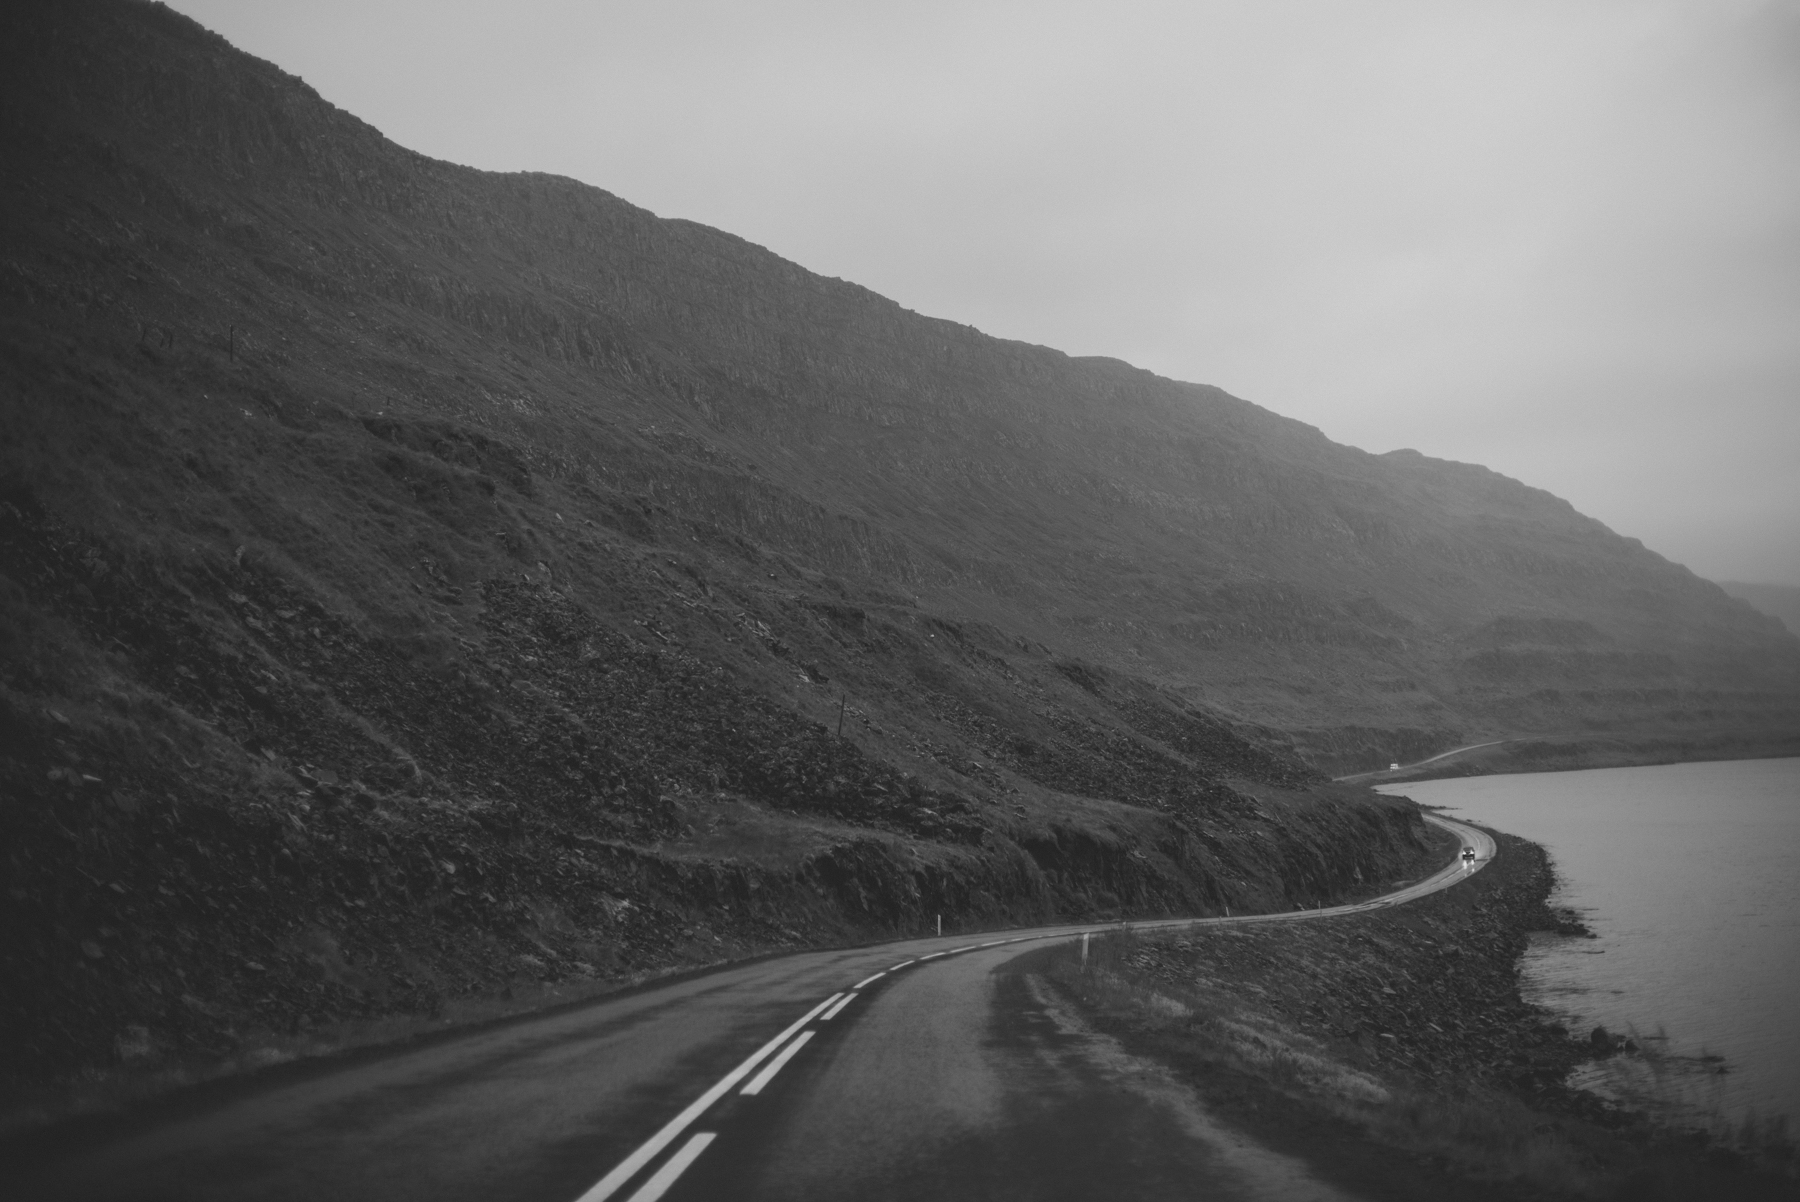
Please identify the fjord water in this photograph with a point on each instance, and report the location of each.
(1690, 876)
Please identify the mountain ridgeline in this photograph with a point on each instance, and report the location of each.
(418, 581)
(1777, 600)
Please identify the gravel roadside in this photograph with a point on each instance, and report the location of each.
(1393, 1051)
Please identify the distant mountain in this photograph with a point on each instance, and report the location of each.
(1777, 600)
(682, 374)
(396, 554)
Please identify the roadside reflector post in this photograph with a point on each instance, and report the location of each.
(940, 924)
(1084, 943)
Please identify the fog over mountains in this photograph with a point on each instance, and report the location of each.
(494, 502)
(1779, 600)
(1161, 526)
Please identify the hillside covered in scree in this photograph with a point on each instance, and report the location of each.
(419, 583)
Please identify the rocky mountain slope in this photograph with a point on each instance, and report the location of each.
(1777, 600)
(417, 582)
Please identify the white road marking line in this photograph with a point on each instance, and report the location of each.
(659, 1185)
(626, 1169)
(833, 1012)
(629, 1167)
(869, 980)
(768, 1074)
(652, 1147)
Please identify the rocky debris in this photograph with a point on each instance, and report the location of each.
(384, 623)
(1608, 1043)
(1427, 990)
(250, 815)
(280, 264)
(1393, 1052)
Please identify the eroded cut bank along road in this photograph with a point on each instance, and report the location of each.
(923, 1069)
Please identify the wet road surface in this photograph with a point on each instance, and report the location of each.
(931, 1068)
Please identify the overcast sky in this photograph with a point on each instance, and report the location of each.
(1557, 237)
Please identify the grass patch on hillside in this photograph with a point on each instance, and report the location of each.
(1290, 1082)
(1480, 1131)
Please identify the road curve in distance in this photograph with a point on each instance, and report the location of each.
(1442, 755)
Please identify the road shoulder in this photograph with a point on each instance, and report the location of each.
(1389, 1050)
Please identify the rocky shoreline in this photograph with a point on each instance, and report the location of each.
(1393, 1051)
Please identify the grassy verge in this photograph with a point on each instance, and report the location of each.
(1393, 1052)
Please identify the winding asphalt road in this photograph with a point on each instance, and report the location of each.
(1431, 759)
(932, 1068)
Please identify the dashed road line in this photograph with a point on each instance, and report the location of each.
(659, 1185)
(628, 1168)
(829, 1009)
(768, 1074)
